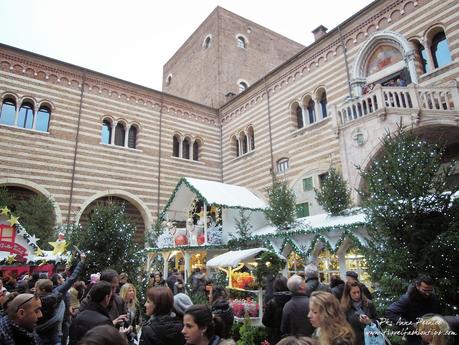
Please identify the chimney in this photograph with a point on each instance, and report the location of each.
(319, 32)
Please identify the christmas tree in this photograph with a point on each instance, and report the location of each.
(241, 239)
(281, 204)
(333, 195)
(108, 241)
(412, 223)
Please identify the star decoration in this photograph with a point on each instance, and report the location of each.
(10, 259)
(13, 220)
(39, 252)
(43, 262)
(4, 211)
(33, 240)
(58, 247)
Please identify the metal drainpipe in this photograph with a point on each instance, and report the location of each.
(159, 148)
(221, 143)
(269, 127)
(345, 62)
(75, 151)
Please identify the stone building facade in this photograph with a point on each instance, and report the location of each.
(78, 136)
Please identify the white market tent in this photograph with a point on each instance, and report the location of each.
(235, 257)
(230, 198)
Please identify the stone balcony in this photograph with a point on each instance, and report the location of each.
(412, 100)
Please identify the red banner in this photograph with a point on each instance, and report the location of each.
(13, 248)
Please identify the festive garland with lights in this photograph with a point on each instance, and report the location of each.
(31, 240)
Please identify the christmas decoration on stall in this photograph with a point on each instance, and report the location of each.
(281, 204)
(242, 239)
(108, 240)
(36, 213)
(334, 195)
(412, 217)
(9, 233)
(269, 264)
(60, 245)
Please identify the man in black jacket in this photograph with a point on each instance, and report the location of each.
(95, 312)
(416, 302)
(295, 319)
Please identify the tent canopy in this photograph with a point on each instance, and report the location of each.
(211, 192)
(234, 257)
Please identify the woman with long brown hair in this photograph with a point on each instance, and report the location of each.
(326, 314)
(162, 328)
(359, 310)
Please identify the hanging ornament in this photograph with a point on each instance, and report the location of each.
(181, 240)
(201, 239)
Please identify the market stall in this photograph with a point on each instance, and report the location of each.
(198, 220)
(232, 263)
(19, 251)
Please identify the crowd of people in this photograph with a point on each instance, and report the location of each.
(298, 310)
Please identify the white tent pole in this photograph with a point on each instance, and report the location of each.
(205, 223)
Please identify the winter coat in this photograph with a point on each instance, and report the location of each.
(453, 322)
(272, 316)
(313, 284)
(12, 334)
(198, 281)
(353, 317)
(49, 326)
(171, 281)
(295, 317)
(162, 330)
(116, 308)
(222, 309)
(409, 307)
(93, 315)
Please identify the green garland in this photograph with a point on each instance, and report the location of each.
(194, 248)
(263, 270)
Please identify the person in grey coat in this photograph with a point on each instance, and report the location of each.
(295, 313)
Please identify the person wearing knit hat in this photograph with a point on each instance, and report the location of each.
(181, 303)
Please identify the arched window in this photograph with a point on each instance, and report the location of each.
(207, 42)
(8, 112)
(176, 146)
(186, 148)
(323, 104)
(169, 80)
(422, 56)
(282, 165)
(251, 136)
(43, 117)
(132, 137)
(196, 150)
(440, 51)
(106, 136)
(241, 42)
(120, 133)
(242, 86)
(25, 115)
(235, 145)
(244, 143)
(311, 111)
(299, 115)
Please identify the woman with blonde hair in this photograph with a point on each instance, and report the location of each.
(434, 330)
(297, 341)
(128, 294)
(326, 314)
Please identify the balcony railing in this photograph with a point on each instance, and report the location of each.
(443, 99)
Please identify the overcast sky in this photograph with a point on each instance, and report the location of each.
(133, 39)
